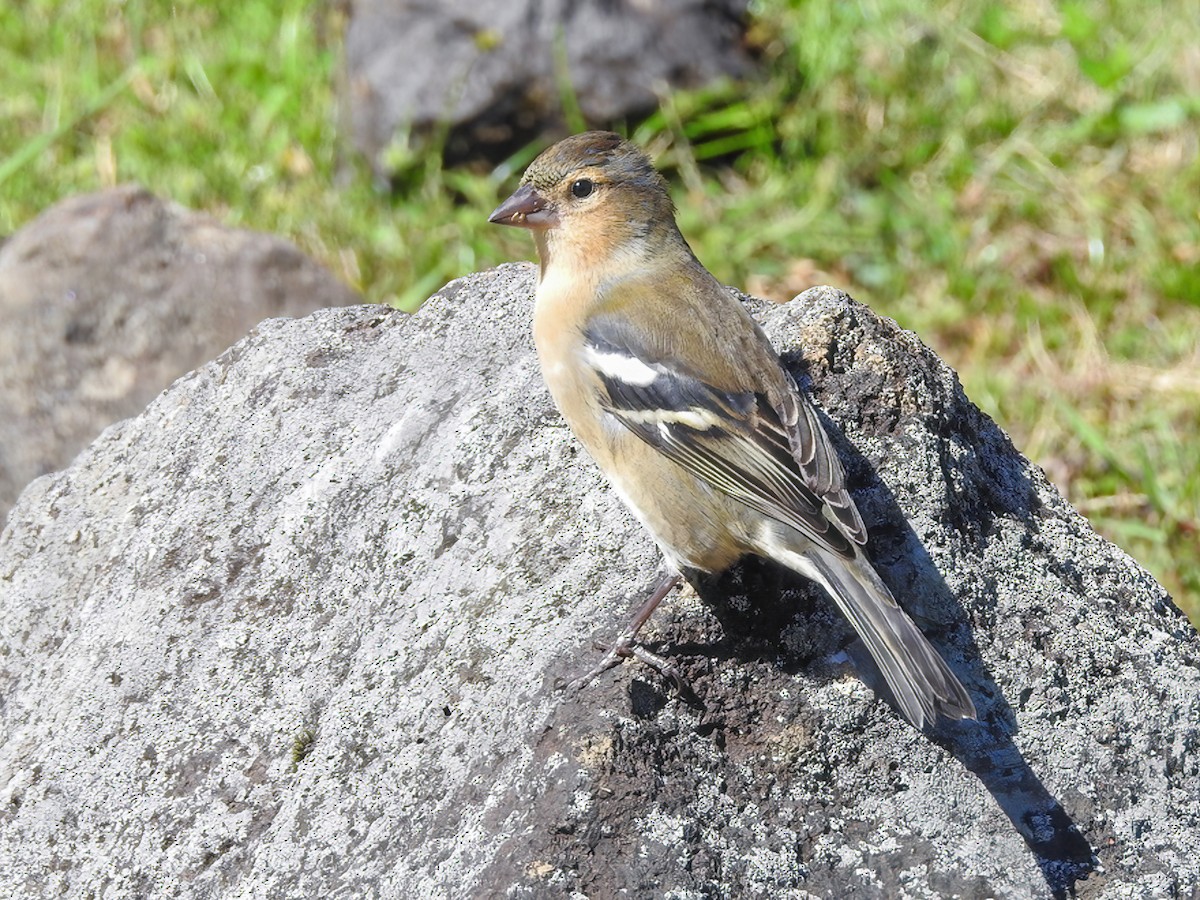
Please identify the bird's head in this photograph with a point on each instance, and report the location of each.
(592, 190)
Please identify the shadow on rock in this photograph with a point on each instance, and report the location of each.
(769, 612)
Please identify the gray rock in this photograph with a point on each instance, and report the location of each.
(105, 299)
(493, 72)
(295, 631)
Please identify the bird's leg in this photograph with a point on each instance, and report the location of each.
(625, 646)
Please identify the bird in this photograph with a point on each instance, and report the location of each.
(677, 394)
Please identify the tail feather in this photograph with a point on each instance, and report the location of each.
(922, 683)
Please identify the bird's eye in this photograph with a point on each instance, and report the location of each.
(583, 188)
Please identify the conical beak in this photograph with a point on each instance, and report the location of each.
(526, 208)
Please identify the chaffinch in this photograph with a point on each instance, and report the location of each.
(676, 393)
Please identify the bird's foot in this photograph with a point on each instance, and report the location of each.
(626, 647)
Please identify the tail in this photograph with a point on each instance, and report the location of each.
(922, 683)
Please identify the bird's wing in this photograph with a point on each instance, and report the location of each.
(814, 454)
(736, 441)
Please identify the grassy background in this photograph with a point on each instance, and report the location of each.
(1018, 183)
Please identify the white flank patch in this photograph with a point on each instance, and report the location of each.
(775, 549)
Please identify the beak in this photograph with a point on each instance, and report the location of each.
(526, 208)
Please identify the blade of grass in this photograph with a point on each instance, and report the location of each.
(38, 145)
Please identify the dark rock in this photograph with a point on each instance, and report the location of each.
(106, 299)
(491, 73)
(295, 630)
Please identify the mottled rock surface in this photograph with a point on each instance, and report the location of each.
(490, 74)
(295, 631)
(107, 298)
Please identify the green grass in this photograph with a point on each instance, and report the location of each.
(1018, 183)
